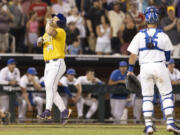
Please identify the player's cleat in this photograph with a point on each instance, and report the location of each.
(6, 118)
(149, 130)
(172, 127)
(46, 115)
(65, 115)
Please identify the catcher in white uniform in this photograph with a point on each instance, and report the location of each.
(69, 79)
(88, 79)
(153, 47)
(24, 100)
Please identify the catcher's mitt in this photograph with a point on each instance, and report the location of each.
(133, 84)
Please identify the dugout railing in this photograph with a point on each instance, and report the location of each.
(99, 90)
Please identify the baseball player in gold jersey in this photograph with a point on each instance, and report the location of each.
(53, 43)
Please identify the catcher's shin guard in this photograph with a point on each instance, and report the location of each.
(148, 110)
(167, 106)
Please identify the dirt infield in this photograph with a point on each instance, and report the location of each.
(77, 129)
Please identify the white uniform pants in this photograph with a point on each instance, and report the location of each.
(4, 102)
(155, 73)
(39, 102)
(91, 102)
(53, 72)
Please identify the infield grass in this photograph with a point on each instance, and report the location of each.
(78, 129)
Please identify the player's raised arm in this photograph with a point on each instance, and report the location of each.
(40, 42)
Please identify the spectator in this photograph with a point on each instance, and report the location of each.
(177, 5)
(104, 33)
(18, 27)
(40, 8)
(5, 19)
(85, 6)
(116, 17)
(137, 16)
(9, 75)
(72, 32)
(118, 101)
(32, 31)
(89, 100)
(61, 7)
(174, 76)
(171, 26)
(93, 20)
(80, 24)
(126, 33)
(25, 100)
(75, 48)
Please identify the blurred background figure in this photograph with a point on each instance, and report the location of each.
(118, 102)
(75, 48)
(72, 32)
(26, 100)
(138, 17)
(32, 31)
(9, 75)
(5, 19)
(93, 18)
(174, 74)
(61, 7)
(126, 33)
(65, 81)
(40, 8)
(116, 18)
(104, 34)
(89, 100)
(18, 26)
(80, 24)
(171, 26)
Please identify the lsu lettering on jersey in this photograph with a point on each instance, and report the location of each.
(54, 47)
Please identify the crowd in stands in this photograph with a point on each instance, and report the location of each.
(102, 27)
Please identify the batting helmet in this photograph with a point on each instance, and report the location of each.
(62, 20)
(151, 15)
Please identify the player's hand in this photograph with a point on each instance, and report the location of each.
(92, 34)
(75, 99)
(40, 41)
(175, 21)
(130, 73)
(13, 82)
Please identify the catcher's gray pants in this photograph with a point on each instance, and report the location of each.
(91, 102)
(117, 108)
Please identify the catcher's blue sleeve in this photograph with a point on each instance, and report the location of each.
(67, 91)
(168, 55)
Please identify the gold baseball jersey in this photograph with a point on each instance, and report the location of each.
(54, 47)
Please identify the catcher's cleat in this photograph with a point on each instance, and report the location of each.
(65, 116)
(6, 118)
(46, 115)
(172, 127)
(149, 130)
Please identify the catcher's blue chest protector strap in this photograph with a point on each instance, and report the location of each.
(147, 39)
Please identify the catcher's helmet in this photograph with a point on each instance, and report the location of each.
(151, 15)
(62, 20)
